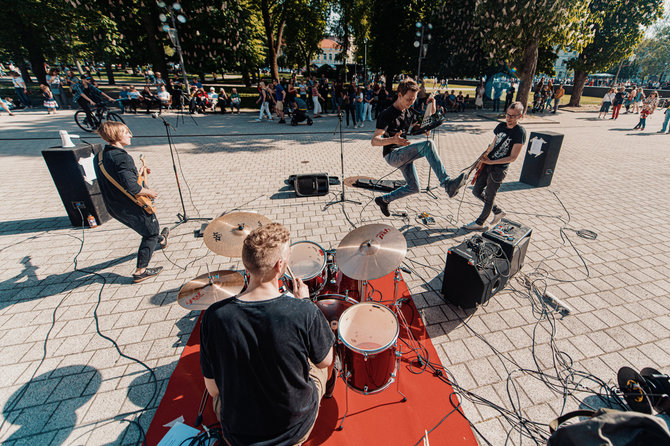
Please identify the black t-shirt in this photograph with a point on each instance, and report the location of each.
(618, 98)
(120, 166)
(393, 121)
(505, 140)
(257, 352)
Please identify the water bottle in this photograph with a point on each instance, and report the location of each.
(91, 221)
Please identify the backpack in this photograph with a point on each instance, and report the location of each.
(608, 427)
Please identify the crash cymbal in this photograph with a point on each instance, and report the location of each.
(371, 252)
(203, 291)
(225, 235)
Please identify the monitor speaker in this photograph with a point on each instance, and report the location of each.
(311, 185)
(473, 273)
(514, 239)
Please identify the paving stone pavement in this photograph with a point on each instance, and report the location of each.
(609, 179)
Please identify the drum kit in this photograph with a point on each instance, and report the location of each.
(366, 327)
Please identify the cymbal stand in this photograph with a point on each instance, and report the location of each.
(201, 409)
(342, 198)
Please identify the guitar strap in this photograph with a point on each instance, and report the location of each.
(146, 208)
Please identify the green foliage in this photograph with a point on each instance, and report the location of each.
(618, 30)
(392, 33)
(652, 54)
(305, 28)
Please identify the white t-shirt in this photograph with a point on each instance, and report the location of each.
(18, 82)
(212, 95)
(163, 95)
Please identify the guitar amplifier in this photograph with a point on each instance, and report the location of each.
(513, 238)
(311, 185)
(73, 174)
(472, 273)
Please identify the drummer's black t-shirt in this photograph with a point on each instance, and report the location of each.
(257, 352)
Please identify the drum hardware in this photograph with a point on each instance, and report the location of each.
(225, 235)
(343, 198)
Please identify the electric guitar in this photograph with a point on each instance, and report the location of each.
(144, 201)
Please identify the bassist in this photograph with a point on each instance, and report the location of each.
(124, 194)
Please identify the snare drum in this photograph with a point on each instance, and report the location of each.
(308, 263)
(332, 306)
(369, 333)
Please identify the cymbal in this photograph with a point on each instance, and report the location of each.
(225, 235)
(203, 291)
(371, 252)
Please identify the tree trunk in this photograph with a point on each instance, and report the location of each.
(577, 88)
(24, 73)
(110, 73)
(528, 66)
(269, 39)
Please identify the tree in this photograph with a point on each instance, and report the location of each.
(302, 38)
(352, 28)
(518, 28)
(618, 29)
(652, 54)
(392, 33)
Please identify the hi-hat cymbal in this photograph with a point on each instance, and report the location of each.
(225, 235)
(371, 252)
(203, 291)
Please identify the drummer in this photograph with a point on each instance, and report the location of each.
(265, 356)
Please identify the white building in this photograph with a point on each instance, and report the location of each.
(561, 64)
(330, 49)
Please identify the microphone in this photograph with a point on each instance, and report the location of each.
(155, 115)
(167, 124)
(405, 270)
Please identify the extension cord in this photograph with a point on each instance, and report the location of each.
(548, 298)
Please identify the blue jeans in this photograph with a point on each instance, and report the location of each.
(403, 158)
(359, 112)
(665, 122)
(25, 100)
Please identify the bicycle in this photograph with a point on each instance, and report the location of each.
(91, 123)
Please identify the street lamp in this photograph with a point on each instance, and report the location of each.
(365, 61)
(423, 48)
(172, 31)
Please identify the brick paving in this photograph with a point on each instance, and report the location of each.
(611, 180)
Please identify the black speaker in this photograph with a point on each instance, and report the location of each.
(311, 185)
(72, 172)
(513, 238)
(472, 273)
(541, 157)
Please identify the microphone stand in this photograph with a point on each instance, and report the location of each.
(342, 198)
(181, 218)
(429, 190)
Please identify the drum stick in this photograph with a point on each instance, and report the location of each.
(290, 273)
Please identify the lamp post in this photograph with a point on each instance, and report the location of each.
(423, 48)
(365, 61)
(172, 31)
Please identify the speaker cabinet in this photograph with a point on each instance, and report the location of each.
(311, 185)
(471, 277)
(513, 238)
(541, 158)
(72, 172)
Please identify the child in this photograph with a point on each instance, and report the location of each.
(646, 111)
(49, 101)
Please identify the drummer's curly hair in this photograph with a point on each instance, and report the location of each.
(263, 247)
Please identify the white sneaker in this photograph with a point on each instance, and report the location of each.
(497, 217)
(474, 226)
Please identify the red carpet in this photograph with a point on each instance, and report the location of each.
(372, 419)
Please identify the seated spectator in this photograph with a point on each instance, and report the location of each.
(460, 102)
(235, 101)
(134, 97)
(165, 97)
(224, 100)
(452, 104)
(213, 98)
(149, 100)
(7, 105)
(159, 81)
(196, 83)
(124, 99)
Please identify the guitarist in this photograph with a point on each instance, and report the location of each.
(393, 124)
(493, 163)
(121, 167)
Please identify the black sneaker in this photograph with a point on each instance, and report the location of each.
(383, 206)
(454, 185)
(148, 272)
(282, 121)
